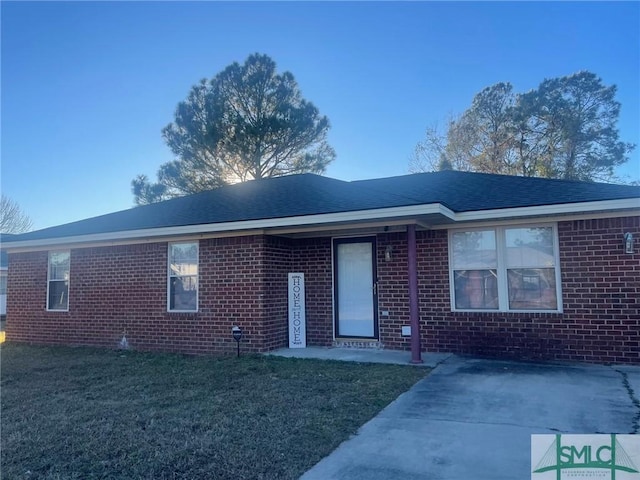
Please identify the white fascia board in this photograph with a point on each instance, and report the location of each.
(354, 217)
(240, 227)
(549, 210)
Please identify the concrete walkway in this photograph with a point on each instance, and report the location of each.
(363, 355)
(472, 419)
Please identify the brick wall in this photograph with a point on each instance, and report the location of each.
(601, 299)
(232, 292)
(122, 290)
(601, 290)
(107, 296)
(313, 258)
(600, 286)
(393, 291)
(278, 260)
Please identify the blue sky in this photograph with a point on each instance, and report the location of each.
(87, 87)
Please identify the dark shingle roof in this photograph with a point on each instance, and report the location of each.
(288, 196)
(308, 194)
(466, 191)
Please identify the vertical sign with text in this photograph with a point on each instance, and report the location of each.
(297, 322)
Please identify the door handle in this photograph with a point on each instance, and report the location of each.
(375, 288)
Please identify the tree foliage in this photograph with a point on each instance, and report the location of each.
(566, 128)
(12, 218)
(247, 122)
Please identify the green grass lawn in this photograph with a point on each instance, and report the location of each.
(81, 413)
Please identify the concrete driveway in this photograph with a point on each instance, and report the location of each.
(472, 419)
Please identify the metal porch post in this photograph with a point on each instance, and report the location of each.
(414, 314)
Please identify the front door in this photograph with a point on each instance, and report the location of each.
(355, 287)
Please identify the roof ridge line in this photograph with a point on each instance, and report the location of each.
(378, 190)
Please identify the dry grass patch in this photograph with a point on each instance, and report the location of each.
(80, 413)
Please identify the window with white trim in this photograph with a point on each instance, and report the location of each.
(3, 282)
(58, 274)
(512, 268)
(182, 285)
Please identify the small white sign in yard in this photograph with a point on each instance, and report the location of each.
(297, 318)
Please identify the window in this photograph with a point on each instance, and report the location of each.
(531, 272)
(505, 269)
(58, 281)
(3, 282)
(183, 277)
(475, 269)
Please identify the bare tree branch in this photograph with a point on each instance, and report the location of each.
(12, 218)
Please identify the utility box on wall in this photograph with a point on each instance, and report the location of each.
(297, 313)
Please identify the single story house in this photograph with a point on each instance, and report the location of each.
(450, 261)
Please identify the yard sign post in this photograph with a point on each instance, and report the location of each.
(297, 317)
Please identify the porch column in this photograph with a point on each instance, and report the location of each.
(416, 355)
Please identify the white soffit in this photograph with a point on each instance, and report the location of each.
(424, 215)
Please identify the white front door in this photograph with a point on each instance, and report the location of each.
(355, 288)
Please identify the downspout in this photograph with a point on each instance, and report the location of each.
(414, 314)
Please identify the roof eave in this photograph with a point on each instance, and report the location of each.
(357, 216)
(410, 213)
(550, 210)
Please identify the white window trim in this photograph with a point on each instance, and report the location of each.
(49, 282)
(501, 269)
(169, 276)
(4, 274)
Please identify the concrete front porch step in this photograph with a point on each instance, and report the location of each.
(357, 344)
(364, 355)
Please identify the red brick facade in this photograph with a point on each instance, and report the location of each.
(122, 290)
(600, 293)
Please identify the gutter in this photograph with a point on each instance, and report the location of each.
(353, 217)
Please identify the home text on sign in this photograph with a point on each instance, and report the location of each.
(297, 319)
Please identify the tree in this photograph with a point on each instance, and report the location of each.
(566, 128)
(12, 218)
(579, 115)
(487, 129)
(247, 122)
(430, 153)
(440, 150)
(480, 139)
(531, 137)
